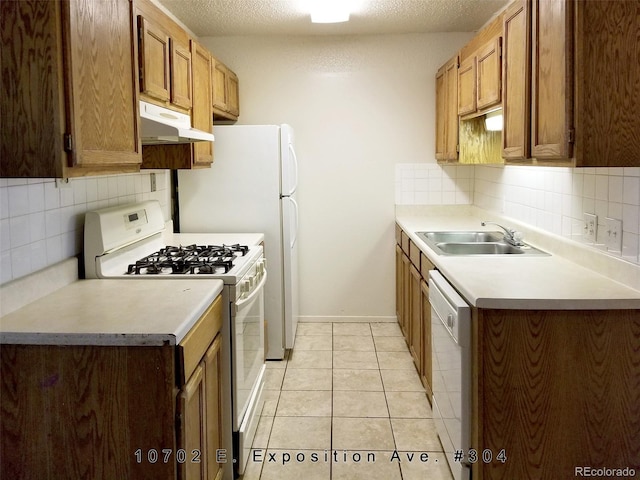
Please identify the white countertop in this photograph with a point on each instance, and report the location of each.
(213, 238)
(112, 312)
(519, 281)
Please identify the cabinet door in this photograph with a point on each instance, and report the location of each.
(192, 434)
(154, 60)
(467, 85)
(181, 86)
(213, 408)
(406, 296)
(552, 83)
(415, 336)
(425, 365)
(101, 84)
(489, 74)
(233, 98)
(516, 68)
(220, 95)
(451, 109)
(201, 114)
(399, 285)
(441, 119)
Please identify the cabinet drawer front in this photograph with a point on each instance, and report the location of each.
(398, 235)
(425, 266)
(405, 243)
(414, 254)
(195, 343)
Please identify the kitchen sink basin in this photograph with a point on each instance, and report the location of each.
(462, 237)
(474, 243)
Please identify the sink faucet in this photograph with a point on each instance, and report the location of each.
(511, 236)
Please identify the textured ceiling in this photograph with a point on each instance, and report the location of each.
(288, 17)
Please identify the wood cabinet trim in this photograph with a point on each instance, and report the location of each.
(194, 345)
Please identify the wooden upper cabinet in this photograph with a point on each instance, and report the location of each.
(516, 81)
(68, 91)
(220, 92)
(181, 75)
(480, 79)
(447, 111)
(467, 86)
(552, 82)
(155, 76)
(165, 67)
(226, 98)
(202, 112)
(607, 93)
(489, 71)
(233, 99)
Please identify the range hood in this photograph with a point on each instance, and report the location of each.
(160, 125)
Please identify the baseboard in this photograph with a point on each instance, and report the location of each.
(343, 319)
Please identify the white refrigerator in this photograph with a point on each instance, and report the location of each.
(251, 187)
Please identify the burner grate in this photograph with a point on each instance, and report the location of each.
(189, 260)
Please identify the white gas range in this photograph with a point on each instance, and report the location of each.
(130, 241)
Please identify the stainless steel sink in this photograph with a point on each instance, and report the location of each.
(474, 243)
(465, 237)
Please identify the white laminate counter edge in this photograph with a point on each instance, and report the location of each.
(112, 313)
(559, 286)
(21, 291)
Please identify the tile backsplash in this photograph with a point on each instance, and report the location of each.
(550, 198)
(431, 184)
(41, 220)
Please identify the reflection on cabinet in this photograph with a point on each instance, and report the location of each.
(165, 67)
(226, 100)
(516, 81)
(68, 92)
(412, 304)
(447, 112)
(107, 412)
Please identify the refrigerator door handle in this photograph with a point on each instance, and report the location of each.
(295, 170)
(295, 231)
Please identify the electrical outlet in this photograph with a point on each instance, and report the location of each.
(152, 176)
(613, 237)
(590, 227)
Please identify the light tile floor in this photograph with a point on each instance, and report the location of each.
(346, 405)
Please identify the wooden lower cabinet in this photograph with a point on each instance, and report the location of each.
(425, 358)
(415, 317)
(556, 390)
(107, 412)
(412, 304)
(552, 389)
(399, 286)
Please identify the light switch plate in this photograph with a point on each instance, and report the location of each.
(613, 234)
(590, 227)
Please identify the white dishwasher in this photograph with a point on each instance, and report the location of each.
(451, 358)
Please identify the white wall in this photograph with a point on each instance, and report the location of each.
(359, 106)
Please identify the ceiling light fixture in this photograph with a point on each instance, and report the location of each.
(329, 11)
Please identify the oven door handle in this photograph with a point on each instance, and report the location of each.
(255, 292)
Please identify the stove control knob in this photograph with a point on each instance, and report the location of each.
(244, 288)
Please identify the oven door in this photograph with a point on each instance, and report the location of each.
(248, 367)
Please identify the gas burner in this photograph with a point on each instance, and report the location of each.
(189, 259)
